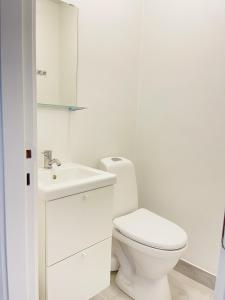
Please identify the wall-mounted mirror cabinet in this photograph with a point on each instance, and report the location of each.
(56, 53)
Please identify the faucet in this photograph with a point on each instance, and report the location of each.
(49, 161)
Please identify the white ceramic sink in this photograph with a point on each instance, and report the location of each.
(70, 179)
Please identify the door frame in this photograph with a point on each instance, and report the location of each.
(3, 265)
(19, 134)
(220, 280)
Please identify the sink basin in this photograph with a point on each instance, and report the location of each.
(70, 179)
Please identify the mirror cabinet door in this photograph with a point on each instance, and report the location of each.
(56, 52)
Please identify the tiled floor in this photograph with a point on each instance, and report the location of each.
(182, 288)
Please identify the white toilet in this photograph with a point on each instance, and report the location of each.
(146, 246)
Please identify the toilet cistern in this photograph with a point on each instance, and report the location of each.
(49, 161)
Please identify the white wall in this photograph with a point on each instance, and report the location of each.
(181, 120)
(107, 85)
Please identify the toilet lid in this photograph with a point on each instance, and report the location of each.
(151, 230)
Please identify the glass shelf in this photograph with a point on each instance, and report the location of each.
(62, 107)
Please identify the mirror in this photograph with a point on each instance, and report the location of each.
(56, 52)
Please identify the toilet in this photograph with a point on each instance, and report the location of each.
(145, 246)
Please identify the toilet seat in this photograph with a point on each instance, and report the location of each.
(149, 229)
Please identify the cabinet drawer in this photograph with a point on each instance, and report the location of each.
(76, 222)
(81, 276)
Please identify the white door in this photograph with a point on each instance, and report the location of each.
(18, 201)
(220, 284)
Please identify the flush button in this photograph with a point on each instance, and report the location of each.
(116, 159)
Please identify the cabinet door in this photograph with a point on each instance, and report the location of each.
(81, 276)
(76, 222)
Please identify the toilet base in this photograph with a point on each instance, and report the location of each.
(140, 288)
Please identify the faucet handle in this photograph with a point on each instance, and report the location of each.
(47, 158)
(47, 153)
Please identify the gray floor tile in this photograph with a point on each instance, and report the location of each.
(182, 287)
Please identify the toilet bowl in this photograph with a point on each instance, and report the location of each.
(143, 266)
(145, 246)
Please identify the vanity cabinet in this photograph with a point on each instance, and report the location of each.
(75, 245)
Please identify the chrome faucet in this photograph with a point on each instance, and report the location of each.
(49, 161)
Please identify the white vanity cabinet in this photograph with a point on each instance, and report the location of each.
(75, 245)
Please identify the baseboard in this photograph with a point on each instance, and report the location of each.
(196, 274)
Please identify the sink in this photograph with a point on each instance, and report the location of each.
(69, 179)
